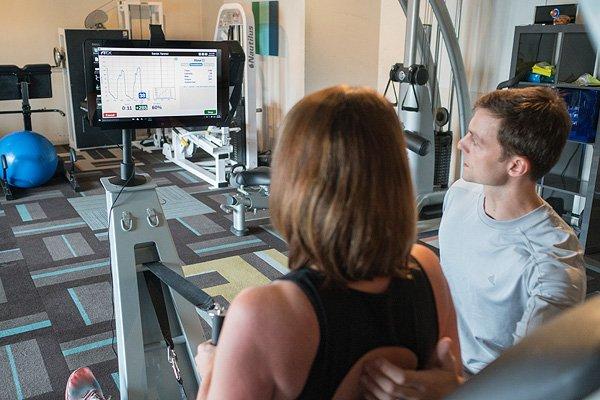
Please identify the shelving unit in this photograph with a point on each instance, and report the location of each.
(560, 85)
(575, 177)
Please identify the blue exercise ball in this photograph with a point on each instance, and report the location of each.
(31, 159)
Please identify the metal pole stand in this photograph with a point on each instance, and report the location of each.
(70, 171)
(128, 176)
(139, 234)
(6, 191)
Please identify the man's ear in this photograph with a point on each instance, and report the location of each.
(519, 166)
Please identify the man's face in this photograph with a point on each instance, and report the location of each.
(482, 154)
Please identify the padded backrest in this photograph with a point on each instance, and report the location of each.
(559, 361)
(9, 82)
(37, 75)
(40, 81)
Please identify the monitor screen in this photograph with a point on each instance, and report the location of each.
(139, 87)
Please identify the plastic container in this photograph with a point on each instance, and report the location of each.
(583, 105)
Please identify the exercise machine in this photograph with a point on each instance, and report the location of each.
(235, 140)
(418, 105)
(252, 195)
(419, 110)
(418, 101)
(157, 323)
(215, 140)
(235, 21)
(559, 361)
(132, 13)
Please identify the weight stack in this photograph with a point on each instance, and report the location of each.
(238, 140)
(443, 152)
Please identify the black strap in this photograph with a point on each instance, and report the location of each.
(160, 308)
(394, 88)
(157, 296)
(182, 286)
(408, 108)
(426, 329)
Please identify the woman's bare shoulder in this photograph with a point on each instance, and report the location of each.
(275, 308)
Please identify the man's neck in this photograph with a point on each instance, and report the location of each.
(511, 201)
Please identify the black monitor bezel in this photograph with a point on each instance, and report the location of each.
(93, 87)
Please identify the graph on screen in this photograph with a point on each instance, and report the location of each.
(142, 83)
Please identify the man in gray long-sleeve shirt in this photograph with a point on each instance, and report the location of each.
(511, 262)
(506, 276)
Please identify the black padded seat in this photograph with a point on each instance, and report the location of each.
(260, 176)
(558, 361)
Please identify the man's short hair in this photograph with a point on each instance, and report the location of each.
(341, 191)
(534, 123)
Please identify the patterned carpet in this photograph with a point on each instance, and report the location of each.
(55, 289)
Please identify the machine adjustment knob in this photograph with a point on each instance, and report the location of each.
(230, 200)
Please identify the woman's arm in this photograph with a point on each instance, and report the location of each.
(447, 324)
(239, 367)
(268, 340)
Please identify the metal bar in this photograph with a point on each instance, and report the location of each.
(410, 44)
(43, 110)
(458, 19)
(427, 29)
(12, 112)
(420, 38)
(557, 54)
(435, 72)
(127, 166)
(26, 106)
(456, 62)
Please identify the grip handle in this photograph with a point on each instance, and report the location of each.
(217, 315)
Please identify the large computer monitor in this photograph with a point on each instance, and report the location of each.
(181, 83)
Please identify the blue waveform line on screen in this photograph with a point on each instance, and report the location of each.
(136, 76)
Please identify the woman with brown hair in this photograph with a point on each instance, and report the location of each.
(359, 288)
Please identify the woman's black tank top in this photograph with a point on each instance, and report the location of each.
(352, 323)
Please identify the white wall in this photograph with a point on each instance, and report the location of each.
(342, 43)
(29, 32)
(392, 32)
(282, 79)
